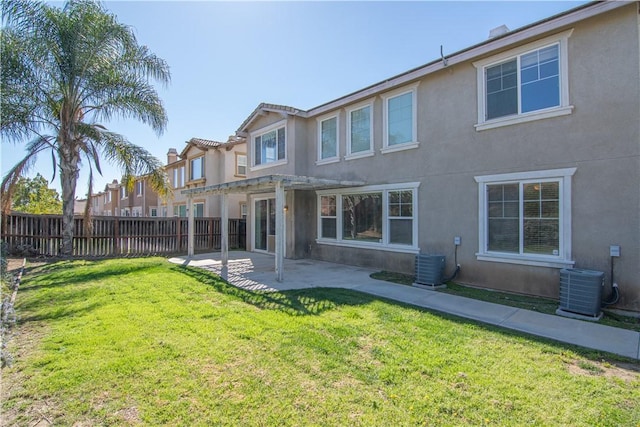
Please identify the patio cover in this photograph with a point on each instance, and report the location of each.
(262, 184)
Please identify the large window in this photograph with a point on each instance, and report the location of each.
(139, 188)
(124, 193)
(360, 134)
(328, 139)
(270, 146)
(400, 120)
(370, 216)
(526, 216)
(524, 84)
(196, 168)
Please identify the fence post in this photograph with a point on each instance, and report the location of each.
(179, 233)
(116, 235)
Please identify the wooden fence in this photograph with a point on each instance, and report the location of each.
(116, 236)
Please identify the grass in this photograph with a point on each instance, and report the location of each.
(539, 304)
(143, 342)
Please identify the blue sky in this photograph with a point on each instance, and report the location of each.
(227, 57)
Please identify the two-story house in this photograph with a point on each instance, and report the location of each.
(519, 155)
(110, 195)
(201, 163)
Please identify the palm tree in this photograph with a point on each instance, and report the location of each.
(64, 70)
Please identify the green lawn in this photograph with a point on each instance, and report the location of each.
(143, 342)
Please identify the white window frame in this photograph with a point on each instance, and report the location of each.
(238, 165)
(124, 192)
(386, 148)
(139, 188)
(265, 130)
(178, 177)
(384, 244)
(561, 39)
(319, 121)
(366, 153)
(191, 161)
(153, 212)
(563, 259)
(195, 210)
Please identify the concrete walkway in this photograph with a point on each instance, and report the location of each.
(255, 271)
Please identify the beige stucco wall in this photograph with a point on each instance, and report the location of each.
(600, 138)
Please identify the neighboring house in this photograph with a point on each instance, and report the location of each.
(79, 206)
(110, 199)
(201, 163)
(144, 199)
(525, 146)
(97, 204)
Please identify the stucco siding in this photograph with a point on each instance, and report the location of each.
(597, 138)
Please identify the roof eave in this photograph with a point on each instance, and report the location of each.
(486, 47)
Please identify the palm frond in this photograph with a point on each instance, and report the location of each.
(9, 181)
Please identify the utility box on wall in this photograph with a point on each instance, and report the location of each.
(581, 291)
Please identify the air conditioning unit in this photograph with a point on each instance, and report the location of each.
(581, 291)
(429, 269)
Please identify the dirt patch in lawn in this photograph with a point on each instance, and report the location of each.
(610, 369)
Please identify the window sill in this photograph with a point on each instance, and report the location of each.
(369, 245)
(327, 161)
(523, 118)
(399, 147)
(268, 165)
(550, 262)
(360, 155)
(196, 181)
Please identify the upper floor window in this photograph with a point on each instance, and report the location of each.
(139, 188)
(124, 193)
(328, 139)
(526, 217)
(270, 146)
(196, 168)
(524, 84)
(241, 164)
(400, 130)
(360, 131)
(178, 177)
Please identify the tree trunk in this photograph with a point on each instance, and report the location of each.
(69, 170)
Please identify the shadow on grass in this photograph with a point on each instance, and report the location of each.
(298, 302)
(66, 273)
(315, 301)
(60, 297)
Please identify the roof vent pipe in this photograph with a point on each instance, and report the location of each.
(498, 31)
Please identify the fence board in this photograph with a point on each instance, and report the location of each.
(116, 236)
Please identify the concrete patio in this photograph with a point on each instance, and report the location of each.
(255, 272)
